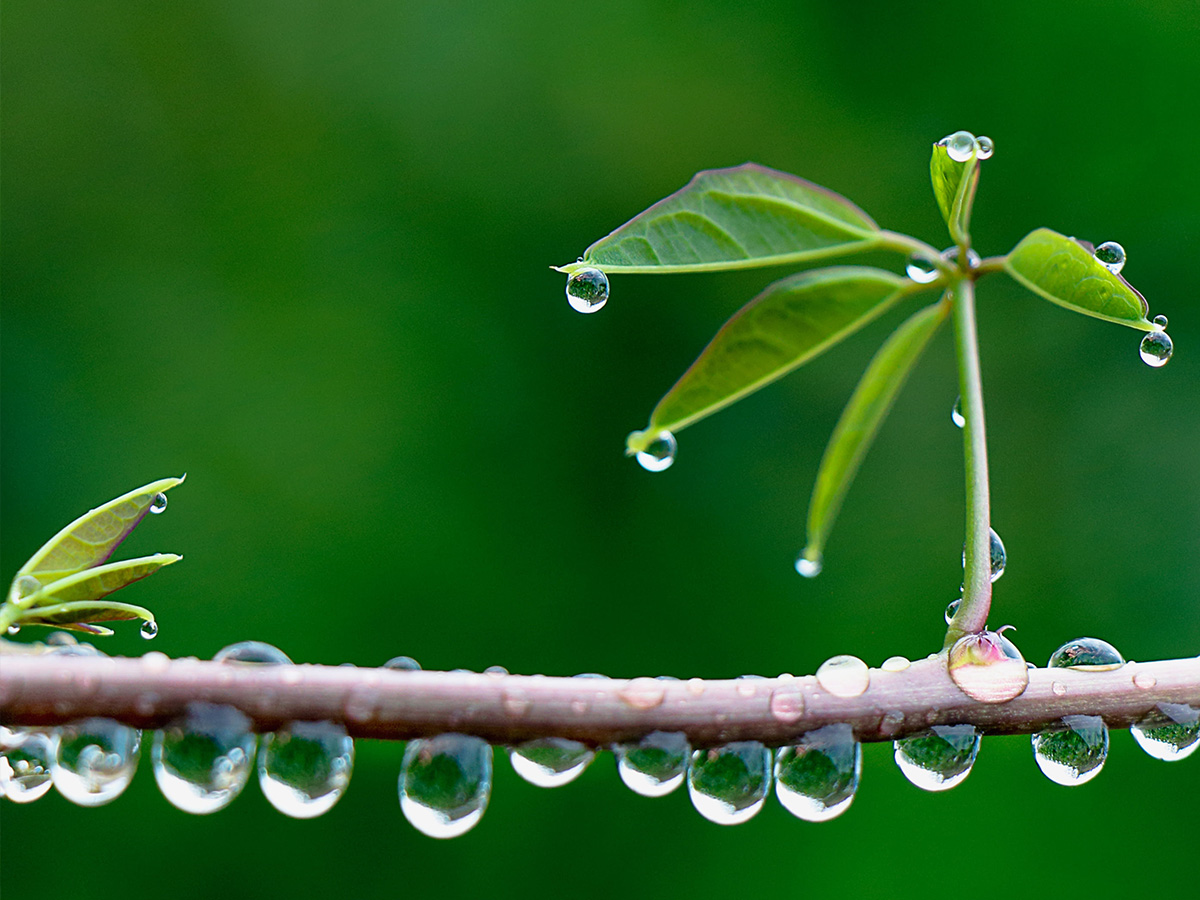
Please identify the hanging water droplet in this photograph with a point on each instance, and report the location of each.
(950, 254)
(729, 784)
(203, 759)
(13, 629)
(304, 767)
(956, 413)
(998, 555)
(952, 609)
(988, 667)
(921, 270)
(960, 145)
(159, 503)
(403, 664)
(1156, 349)
(844, 676)
(26, 755)
(445, 783)
(26, 586)
(550, 762)
(1161, 322)
(940, 758)
(659, 453)
(808, 565)
(1074, 754)
(655, 765)
(95, 760)
(149, 629)
(587, 290)
(1088, 654)
(984, 147)
(815, 778)
(1170, 733)
(252, 652)
(1111, 255)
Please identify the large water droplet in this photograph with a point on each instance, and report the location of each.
(551, 761)
(252, 652)
(940, 758)
(149, 630)
(920, 269)
(999, 556)
(988, 667)
(659, 453)
(304, 767)
(895, 664)
(95, 760)
(956, 413)
(203, 759)
(1170, 733)
(729, 784)
(808, 566)
(587, 290)
(1088, 654)
(655, 765)
(984, 147)
(159, 503)
(844, 676)
(960, 145)
(1111, 255)
(445, 783)
(952, 610)
(816, 777)
(403, 664)
(1156, 349)
(1074, 754)
(26, 756)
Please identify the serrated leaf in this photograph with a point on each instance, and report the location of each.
(91, 539)
(734, 218)
(786, 325)
(954, 185)
(860, 420)
(78, 616)
(99, 581)
(1065, 271)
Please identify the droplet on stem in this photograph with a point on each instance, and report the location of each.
(203, 759)
(1156, 349)
(587, 290)
(659, 454)
(940, 758)
(1073, 754)
(1170, 733)
(988, 667)
(445, 783)
(815, 778)
(1111, 255)
(655, 765)
(403, 664)
(844, 676)
(952, 609)
(159, 503)
(956, 413)
(1087, 654)
(26, 755)
(304, 767)
(920, 269)
(729, 784)
(551, 761)
(94, 760)
(998, 556)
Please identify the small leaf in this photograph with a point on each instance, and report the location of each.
(860, 420)
(954, 186)
(734, 218)
(84, 612)
(92, 584)
(788, 324)
(91, 539)
(1065, 271)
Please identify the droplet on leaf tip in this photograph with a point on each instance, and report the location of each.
(1156, 349)
(960, 146)
(659, 454)
(984, 147)
(159, 503)
(587, 290)
(808, 565)
(149, 630)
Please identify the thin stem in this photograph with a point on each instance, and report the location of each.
(903, 243)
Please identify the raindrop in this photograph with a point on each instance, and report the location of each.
(304, 767)
(659, 453)
(956, 413)
(960, 145)
(952, 609)
(1170, 733)
(1160, 321)
(149, 630)
(26, 756)
(787, 703)
(1145, 681)
(13, 629)
(729, 784)
(587, 290)
(1088, 654)
(988, 667)
(95, 760)
(655, 765)
(403, 664)
(940, 758)
(1111, 255)
(1156, 349)
(808, 566)
(445, 783)
(496, 671)
(950, 254)
(999, 556)
(1074, 754)
(159, 503)
(815, 778)
(844, 676)
(896, 664)
(252, 652)
(920, 269)
(203, 759)
(643, 693)
(551, 762)
(984, 147)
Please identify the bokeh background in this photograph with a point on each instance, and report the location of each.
(300, 251)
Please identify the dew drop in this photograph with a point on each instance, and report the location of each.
(587, 290)
(815, 778)
(807, 565)
(252, 652)
(1156, 349)
(950, 254)
(1088, 655)
(95, 760)
(1111, 255)
(159, 503)
(13, 629)
(1073, 754)
(844, 676)
(896, 664)
(988, 667)
(445, 783)
(26, 757)
(203, 759)
(787, 703)
(999, 556)
(1058, 688)
(984, 147)
(403, 664)
(1170, 733)
(149, 630)
(960, 145)
(956, 413)
(729, 784)
(952, 609)
(655, 765)
(920, 269)
(496, 671)
(304, 767)
(940, 758)
(1145, 681)
(659, 453)
(643, 693)
(551, 762)
(1160, 321)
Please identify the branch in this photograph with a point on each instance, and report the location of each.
(47, 690)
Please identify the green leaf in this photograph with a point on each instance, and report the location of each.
(91, 539)
(954, 186)
(860, 420)
(788, 324)
(733, 219)
(99, 581)
(77, 616)
(1065, 271)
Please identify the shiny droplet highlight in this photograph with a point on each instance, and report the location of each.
(304, 767)
(1170, 733)
(921, 270)
(956, 413)
(844, 676)
(655, 765)
(729, 784)
(815, 778)
(551, 762)
(1074, 753)
(1156, 349)
(984, 147)
(587, 290)
(1111, 255)
(960, 146)
(1088, 655)
(940, 758)
(808, 565)
(203, 759)
(26, 755)
(159, 503)
(445, 783)
(988, 667)
(95, 760)
(659, 454)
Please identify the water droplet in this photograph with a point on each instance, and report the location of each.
(952, 609)
(896, 664)
(403, 664)
(1160, 321)
(60, 639)
(787, 703)
(26, 586)
(1088, 654)
(1074, 754)
(445, 783)
(950, 254)
(587, 290)
(808, 566)
(203, 759)
(920, 269)
(940, 758)
(1111, 255)
(988, 667)
(95, 760)
(496, 671)
(13, 629)
(844, 676)
(815, 778)
(159, 503)
(1058, 688)
(551, 762)
(26, 756)
(1170, 733)
(655, 765)
(643, 693)
(659, 453)
(1156, 349)
(999, 556)
(729, 784)
(960, 145)
(1145, 681)
(984, 147)
(252, 652)
(304, 767)
(149, 630)
(956, 413)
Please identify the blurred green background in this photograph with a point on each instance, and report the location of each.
(299, 250)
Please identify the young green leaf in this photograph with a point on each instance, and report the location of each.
(734, 218)
(92, 584)
(860, 420)
(1065, 271)
(78, 616)
(788, 324)
(954, 186)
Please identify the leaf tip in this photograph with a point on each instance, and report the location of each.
(639, 441)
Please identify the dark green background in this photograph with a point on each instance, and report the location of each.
(299, 250)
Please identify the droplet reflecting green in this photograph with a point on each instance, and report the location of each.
(445, 783)
(587, 290)
(1156, 349)
(729, 784)
(304, 767)
(815, 778)
(939, 759)
(655, 765)
(1074, 753)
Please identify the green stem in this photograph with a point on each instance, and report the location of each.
(9, 614)
(977, 583)
(903, 243)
